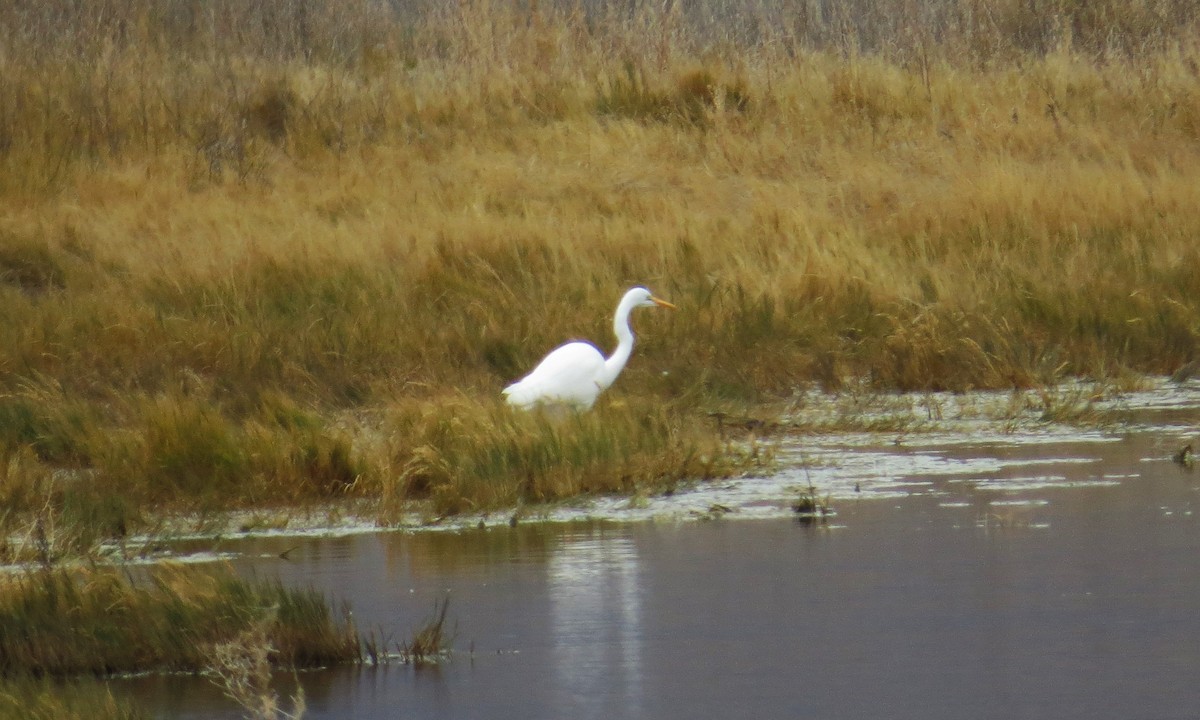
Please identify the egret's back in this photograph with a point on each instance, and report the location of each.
(569, 375)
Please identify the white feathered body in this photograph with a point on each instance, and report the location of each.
(569, 375)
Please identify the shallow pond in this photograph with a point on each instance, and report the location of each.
(998, 571)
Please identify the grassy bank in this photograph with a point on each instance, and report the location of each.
(53, 700)
(56, 625)
(174, 620)
(292, 252)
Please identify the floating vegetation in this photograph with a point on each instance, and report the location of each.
(1009, 517)
(810, 508)
(1185, 457)
(715, 511)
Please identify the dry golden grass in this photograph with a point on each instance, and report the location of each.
(230, 236)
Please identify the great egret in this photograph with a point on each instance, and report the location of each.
(576, 373)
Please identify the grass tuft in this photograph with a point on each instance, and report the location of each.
(696, 94)
(29, 266)
(479, 457)
(429, 643)
(162, 623)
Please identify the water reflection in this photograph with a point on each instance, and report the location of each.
(596, 623)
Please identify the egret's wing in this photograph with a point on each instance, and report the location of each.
(566, 375)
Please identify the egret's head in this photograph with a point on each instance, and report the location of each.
(644, 298)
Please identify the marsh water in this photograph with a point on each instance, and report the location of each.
(988, 570)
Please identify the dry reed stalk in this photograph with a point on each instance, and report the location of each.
(242, 667)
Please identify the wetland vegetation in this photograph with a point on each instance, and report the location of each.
(169, 620)
(58, 624)
(287, 253)
(282, 255)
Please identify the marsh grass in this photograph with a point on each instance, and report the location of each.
(165, 621)
(695, 99)
(1081, 406)
(430, 642)
(239, 633)
(248, 252)
(466, 456)
(46, 699)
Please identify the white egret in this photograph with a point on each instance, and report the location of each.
(576, 373)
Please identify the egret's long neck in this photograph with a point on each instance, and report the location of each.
(616, 362)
